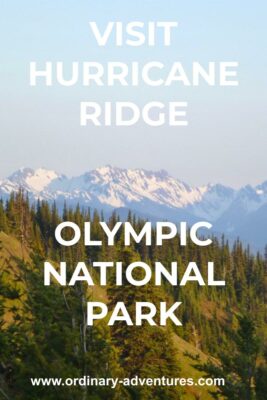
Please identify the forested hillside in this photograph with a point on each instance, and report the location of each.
(44, 331)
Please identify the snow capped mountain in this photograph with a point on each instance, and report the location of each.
(34, 181)
(214, 201)
(118, 187)
(154, 195)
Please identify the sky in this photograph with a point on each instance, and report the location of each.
(226, 139)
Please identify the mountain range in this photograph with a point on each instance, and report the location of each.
(154, 195)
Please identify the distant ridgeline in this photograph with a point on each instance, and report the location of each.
(151, 195)
(52, 321)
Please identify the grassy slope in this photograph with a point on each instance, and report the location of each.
(10, 247)
(188, 370)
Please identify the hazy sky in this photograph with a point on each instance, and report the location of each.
(226, 139)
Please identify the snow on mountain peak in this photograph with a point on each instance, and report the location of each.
(135, 188)
(151, 194)
(34, 180)
(41, 178)
(119, 187)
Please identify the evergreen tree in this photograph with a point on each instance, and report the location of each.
(237, 364)
(143, 351)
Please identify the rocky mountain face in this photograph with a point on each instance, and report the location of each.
(153, 195)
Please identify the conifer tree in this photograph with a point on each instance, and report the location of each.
(237, 364)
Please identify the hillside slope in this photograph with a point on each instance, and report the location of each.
(11, 252)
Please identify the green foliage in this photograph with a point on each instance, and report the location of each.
(43, 331)
(261, 382)
(238, 364)
(144, 351)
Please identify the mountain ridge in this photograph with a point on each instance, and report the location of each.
(150, 193)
